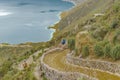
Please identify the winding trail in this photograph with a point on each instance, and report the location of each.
(37, 71)
(57, 60)
(29, 60)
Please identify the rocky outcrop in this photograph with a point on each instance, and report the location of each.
(95, 64)
(53, 74)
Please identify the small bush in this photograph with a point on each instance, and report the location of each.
(107, 50)
(116, 7)
(34, 57)
(99, 33)
(85, 51)
(5, 68)
(71, 44)
(98, 50)
(114, 24)
(43, 50)
(76, 52)
(115, 54)
(116, 37)
(103, 43)
(39, 55)
(44, 78)
(81, 79)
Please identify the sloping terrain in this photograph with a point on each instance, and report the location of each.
(57, 60)
(12, 58)
(94, 24)
(92, 32)
(75, 19)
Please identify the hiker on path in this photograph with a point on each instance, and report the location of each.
(25, 65)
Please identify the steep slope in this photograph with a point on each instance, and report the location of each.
(73, 20)
(94, 23)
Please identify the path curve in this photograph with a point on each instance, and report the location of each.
(57, 60)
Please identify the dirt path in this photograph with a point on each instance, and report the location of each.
(29, 60)
(57, 60)
(37, 71)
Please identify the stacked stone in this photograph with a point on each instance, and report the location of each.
(54, 74)
(95, 64)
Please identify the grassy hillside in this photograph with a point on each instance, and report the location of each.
(76, 18)
(12, 55)
(94, 25)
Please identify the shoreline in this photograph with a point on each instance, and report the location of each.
(59, 17)
(52, 30)
(75, 2)
(71, 1)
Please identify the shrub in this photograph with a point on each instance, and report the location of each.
(39, 55)
(43, 50)
(116, 7)
(44, 78)
(85, 51)
(71, 44)
(81, 79)
(116, 37)
(28, 73)
(5, 68)
(99, 33)
(98, 50)
(34, 57)
(76, 52)
(114, 24)
(115, 54)
(103, 43)
(107, 50)
(11, 75)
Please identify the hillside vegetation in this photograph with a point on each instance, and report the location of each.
(95, 27)
(11, 55)
(92, 30)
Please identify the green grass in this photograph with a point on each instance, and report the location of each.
(103, 28)
(10, 55)
(26, 74)
(79, 16)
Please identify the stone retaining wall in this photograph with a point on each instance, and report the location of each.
(95, 64)
(53, 74)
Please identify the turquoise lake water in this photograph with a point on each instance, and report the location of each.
(27, 20)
